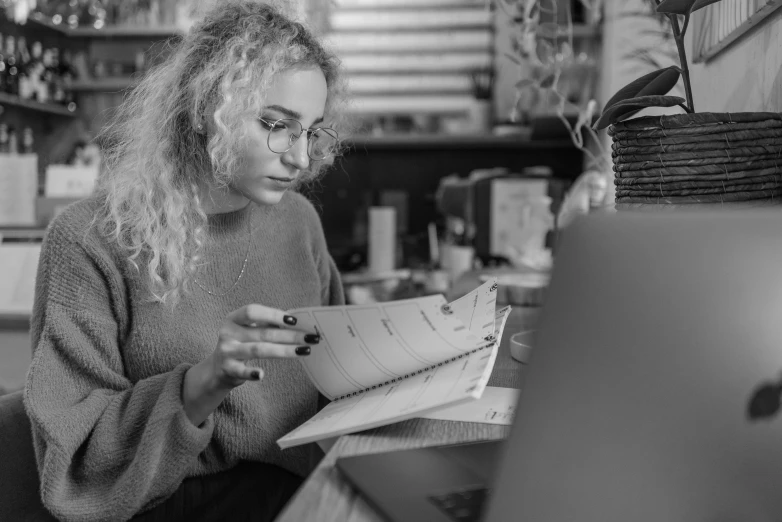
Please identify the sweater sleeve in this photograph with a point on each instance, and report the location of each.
(106, 448)
(333, 293)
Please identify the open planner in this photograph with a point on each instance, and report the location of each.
(388, 362)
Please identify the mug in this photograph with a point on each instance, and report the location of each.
(521, 344)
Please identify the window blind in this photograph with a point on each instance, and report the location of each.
(718, 25)
(412, 56)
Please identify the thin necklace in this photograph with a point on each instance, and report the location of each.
(244, 264)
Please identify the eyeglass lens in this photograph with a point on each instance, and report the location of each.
(284, 134)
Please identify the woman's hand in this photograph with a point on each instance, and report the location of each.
(251, 332)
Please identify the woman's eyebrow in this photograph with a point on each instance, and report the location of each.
(291, 113)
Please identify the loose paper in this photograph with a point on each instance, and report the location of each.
(496, 406)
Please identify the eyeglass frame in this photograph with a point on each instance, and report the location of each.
(303, 130)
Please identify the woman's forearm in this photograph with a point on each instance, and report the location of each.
(200, 394)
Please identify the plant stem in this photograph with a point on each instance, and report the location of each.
(678, 35)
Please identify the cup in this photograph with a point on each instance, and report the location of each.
(458, 260)
(521, 344)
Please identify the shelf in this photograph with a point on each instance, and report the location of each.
(12, 320)
(48, 108)
(461, 141)
(22, 234)
(128, 31)
(62, 29)
(103, 84)
(401, 5)
(120, 31)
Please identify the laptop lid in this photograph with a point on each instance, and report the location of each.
(658, 333)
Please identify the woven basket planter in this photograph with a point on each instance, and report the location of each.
(732, 159)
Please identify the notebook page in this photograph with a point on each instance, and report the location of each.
(496, 406)
(372, 345)
(476, 309)
(447, 384)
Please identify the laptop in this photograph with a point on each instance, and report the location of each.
(653, 393)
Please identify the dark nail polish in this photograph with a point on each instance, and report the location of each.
(312, 338)
(303, 350)
(256, 375)
(289, 319)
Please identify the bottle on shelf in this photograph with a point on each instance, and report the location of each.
(27, 141)
(34, 71)
(57, 89)
(94, 14)
(43, 10)
(68, 73)
(59, 12)
(45, 80)
(72, 14)
(140, 62)
(26, 85)
(4, 145)
(11, 67)
(3, 72)
(13, 141)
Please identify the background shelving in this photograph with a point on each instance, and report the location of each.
(129, 31)
(46, 108)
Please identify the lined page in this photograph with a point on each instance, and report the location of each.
(447, 384)
(496, 406)
(374, 345)
(476, 309)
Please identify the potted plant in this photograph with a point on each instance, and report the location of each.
(691, 157)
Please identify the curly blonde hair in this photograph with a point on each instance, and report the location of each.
(156, 162)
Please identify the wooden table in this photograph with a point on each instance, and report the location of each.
(326, 496)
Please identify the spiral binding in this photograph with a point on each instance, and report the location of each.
(491, 339)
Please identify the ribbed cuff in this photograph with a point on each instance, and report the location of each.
(192, 439)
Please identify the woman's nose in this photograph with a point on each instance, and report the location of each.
(297, 155)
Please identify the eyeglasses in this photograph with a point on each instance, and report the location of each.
(283, 134)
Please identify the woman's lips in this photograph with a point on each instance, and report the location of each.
(282, 182)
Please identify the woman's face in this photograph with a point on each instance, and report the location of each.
(295, 94)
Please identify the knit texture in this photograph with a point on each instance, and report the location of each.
(104, 388)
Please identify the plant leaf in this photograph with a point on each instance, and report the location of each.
(522, 84)
(626, 108)
(655, 83)
(513, 58)
(548, 81)
(683, 7)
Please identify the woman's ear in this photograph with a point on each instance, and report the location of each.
(204, 120)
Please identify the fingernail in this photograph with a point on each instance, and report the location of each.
(289, 319)
(256, 375)
(303, 350)
(312, 338)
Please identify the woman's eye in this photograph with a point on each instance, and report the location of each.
(272, 126)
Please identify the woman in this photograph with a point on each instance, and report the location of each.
(163, 363)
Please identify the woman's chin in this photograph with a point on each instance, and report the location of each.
(267, 197)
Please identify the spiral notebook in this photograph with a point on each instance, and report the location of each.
(388, 362)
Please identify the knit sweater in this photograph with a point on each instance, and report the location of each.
(104, 388)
